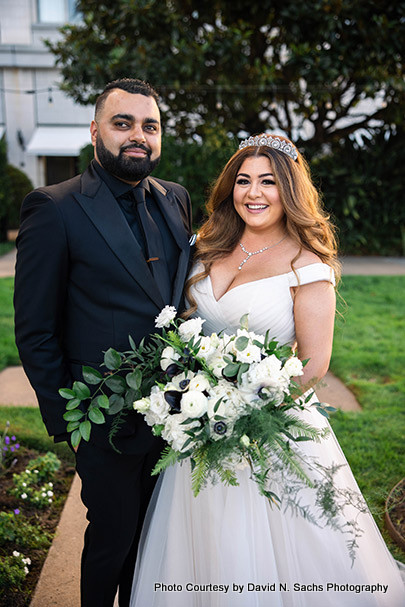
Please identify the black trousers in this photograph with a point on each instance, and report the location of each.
(116, 490)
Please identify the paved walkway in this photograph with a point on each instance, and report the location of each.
(58, 585)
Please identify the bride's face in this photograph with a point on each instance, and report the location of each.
(255, 195)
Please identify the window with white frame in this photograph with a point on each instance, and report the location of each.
(57, 11)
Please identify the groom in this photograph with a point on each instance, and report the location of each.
(98, 257)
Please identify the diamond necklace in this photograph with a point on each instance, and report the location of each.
(251, 253)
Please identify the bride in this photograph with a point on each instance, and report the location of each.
(267, 249)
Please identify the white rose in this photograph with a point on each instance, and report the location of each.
(168, 357)
(194, 403)
(199, 382)
(165, 317)
(190, 328)
(141, 405)
(293, 367)
(159, 408)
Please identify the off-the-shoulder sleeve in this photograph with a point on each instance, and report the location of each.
(312, 273)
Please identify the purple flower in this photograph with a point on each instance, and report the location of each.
(16, 511)
(13, 437)
(12, 449)
(17, 446)
(7, 440)
(5, 448)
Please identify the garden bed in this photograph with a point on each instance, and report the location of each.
(38, 537)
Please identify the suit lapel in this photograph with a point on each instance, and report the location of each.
(103, 211)
(169, 207)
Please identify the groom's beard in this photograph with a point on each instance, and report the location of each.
(125, 167)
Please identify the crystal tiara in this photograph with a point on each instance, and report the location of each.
(272, 142)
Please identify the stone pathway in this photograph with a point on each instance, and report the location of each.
(58, 585)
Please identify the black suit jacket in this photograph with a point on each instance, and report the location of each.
(83, 285)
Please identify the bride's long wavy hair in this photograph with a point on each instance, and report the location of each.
(306, 222)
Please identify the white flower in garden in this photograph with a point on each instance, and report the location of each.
(43, 494)
(23, 496)
(199, 382)
(16, 554)
(190, 328)
(50, 484)
(141, 405)
(165, 317)
(50, 500)
(293, 367)
(24, 484)
(26, 570)
(27, 561)
(49, 493)
(36, 471)
(28, 471)
(168, 357)
(194, 403)
(250, 354)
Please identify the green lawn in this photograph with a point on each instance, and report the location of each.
(368, 356)
(8, 349)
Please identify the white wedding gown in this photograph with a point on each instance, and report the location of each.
(227, 547)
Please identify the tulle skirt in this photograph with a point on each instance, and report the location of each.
(228, 547)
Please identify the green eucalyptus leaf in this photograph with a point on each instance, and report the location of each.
(81, 390)
(241, 343)
(91, 376)
(112, 359)
(73, 403)
(134, 379)
(244, 322)
(76, 438)
(116, 383)
(116, 404)
(103, 402)
(96, 416)
(85, 429)
(73, 426)
(67, 393)
(231, 369)
(72, 416)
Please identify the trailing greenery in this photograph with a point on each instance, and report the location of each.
(369, 356)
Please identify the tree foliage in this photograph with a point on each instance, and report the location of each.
(302, 67)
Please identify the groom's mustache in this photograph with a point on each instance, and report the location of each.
(135, 147)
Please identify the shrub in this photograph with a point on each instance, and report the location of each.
(20, 185)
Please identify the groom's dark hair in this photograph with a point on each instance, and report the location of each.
(130, 85)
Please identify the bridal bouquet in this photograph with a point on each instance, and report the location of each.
(224, 401)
